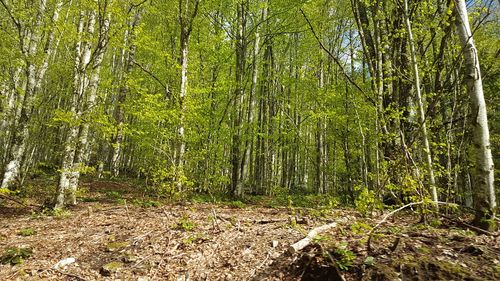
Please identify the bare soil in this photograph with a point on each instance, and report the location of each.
(199, 241)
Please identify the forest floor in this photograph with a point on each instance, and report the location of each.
(112, 235)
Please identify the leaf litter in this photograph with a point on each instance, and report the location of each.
(200, 241)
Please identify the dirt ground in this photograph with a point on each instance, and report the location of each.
(199, 241)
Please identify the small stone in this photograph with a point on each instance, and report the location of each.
(110, 268)
(275, 243)
(64, 262)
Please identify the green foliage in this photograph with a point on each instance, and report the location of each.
(344, 256)
(113, 194)
(192, 239)
(435, 223)
(367, 201)
(146, 203)
(27, 232)
(237, 204)
(369, 261)
(185, 224)
(360, 228)
(58, 213)
(171, 183)
(15, 255)
(5, 191)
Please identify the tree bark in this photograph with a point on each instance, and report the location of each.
(416, 77)
(483, 183)
(29, 45)
(186, 24)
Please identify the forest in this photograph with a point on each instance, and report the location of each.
(249, 139)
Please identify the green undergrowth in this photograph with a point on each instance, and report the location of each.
(277, 201)
(15, 255)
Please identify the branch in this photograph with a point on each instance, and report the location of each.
(16, 22)
(31, 206)
(309, 238)
(370, 234)
(335, 59)
(150, 74)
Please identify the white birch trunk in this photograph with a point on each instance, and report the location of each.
(82, 152)
(76, 141)
(245, 171)
(483, 183)
(67, 172)
(29, 42)
(186, 23)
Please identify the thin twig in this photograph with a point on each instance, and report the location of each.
(335, 59)
(69, 275)
(31, 206)
(372, 231)
(126, 209)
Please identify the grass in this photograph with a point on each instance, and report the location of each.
(26, 232)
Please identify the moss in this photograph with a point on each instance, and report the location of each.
(380, 272)
(424, 250)
(115, 246)
(129, 258)
(429, 268)
(111, 268)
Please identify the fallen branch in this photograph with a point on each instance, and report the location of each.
(264, 221)
(31, 206)
(309, 238)
(480, 230)
(370, 234)
(73, 276)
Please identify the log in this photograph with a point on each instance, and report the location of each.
(309, 238)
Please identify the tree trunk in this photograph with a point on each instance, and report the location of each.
(127, 64)
(425, 136)
(236, 186)
(483, 183)
(34, 75)
(186, 24)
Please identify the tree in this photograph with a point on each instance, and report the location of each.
(484, 188)
(30, 27)
(88, 60)
(186, 18)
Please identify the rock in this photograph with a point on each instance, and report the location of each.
(64, 262)
(110, 268)
(275, 243)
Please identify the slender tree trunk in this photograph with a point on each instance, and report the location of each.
(83, 103)
(186, 19)
(425, 136)
(236, 185)
(82, 59)
(245, 169)
(127, 63)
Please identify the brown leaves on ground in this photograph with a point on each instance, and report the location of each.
(111, 241)
(149, 243)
